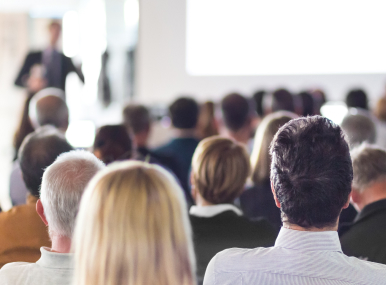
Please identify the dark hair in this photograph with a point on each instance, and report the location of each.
(258, 98)
(137, 118)
(307, 102)
(311, 171)
(38, 151)
(357, 98)
(184, 113)
(235, 110)
(282, 100)
(112, 143)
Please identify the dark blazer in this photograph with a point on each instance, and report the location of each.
(227, 230)
(366, 237)
(33, 58)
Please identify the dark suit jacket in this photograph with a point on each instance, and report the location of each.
(36, 58)
(366, 237)
(227, 230)
(179, 152)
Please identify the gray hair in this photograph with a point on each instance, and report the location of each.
(359, 127)
(62, 187)
(369, 166)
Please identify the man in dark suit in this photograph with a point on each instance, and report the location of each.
(56, 65)
(366, 237)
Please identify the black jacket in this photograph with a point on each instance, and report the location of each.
(36, 58)
(366, 237)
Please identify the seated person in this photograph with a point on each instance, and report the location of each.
(365, 238)
(357, 98)
(220, 168)
(133, 228)
(22, 232)
(311, 176)
(63, 184)
(184, 115)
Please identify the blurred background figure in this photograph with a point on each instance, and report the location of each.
(306, 104)
(56, 65)
(207, 125)
(258, 97)
(282, 100)
(134, 216)
(380, 113)
(357, 98)
(220, 168)
(257, 200)
(319, 99)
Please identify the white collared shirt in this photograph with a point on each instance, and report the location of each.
(298, 257)
(52, 268)
(213, 210)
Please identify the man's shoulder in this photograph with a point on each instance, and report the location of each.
(15, 272)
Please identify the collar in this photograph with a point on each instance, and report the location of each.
(55, 259)
(370, 209)
(213, 210)
(308, 241)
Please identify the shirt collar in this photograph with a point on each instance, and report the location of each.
(213, 210)
(308, 240)
(55, 259)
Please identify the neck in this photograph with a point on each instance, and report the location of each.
(312, 229)
(200, 201)
(243, 135)
(371, 194)
(60, 243)
(185, 133)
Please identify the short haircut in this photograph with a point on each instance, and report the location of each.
(359, 127)
(307, 102)
(39, 150)
(311, 171)
(282, 100)
(184, 113)
(137, 118)
(258, 97)
(369, 166)
(357, 98)
(235, 110)
(220, 168)
(380, 109)
(63, 184)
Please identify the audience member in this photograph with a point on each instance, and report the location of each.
(184, 115)
(62, 187)
(366, 236)
(357, 98)
(282, 100)
(207, 125)
(311, 176)
(380, 113)
(220, 168)
(359, 127)
(259, 99)
(319, 98)
(237, 117)
(257, 200)
(22, 231)
(307, 104)
(133, 229)
(113, 143)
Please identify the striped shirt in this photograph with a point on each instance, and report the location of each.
(298, 257)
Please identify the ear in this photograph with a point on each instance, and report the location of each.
(40, 211)
(274, 196)
(348, 201)
(193, 190)
(355, 196)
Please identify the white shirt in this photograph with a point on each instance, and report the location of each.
(51, 269)
(213, 210)
(298, 257)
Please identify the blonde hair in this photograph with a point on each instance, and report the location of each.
(220, 168)
(133, 228)
(260, 159)
(380, 109)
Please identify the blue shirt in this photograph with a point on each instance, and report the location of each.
(298, 257)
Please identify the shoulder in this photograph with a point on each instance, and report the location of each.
(12, 272)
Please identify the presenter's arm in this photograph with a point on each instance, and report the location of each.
(28, 62)
(71, 68)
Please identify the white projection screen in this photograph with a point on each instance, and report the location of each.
(207, 48)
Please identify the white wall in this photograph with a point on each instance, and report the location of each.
(161, 74)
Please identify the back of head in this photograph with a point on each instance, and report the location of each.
(258, 97)
(357, 98)
(137, 118)
(282, 100)
(133, 228)
(307, 102)
(311, 171)
(235, 111)
(220, 168)
(38, 151)
(359, 127)
(207, 126)
(184, 113)
(112, 143)
(369, 166)
(260, 159)
(48, 107)
(380, 109)
(63, 184)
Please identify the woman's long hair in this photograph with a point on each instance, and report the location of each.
(133, 228)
